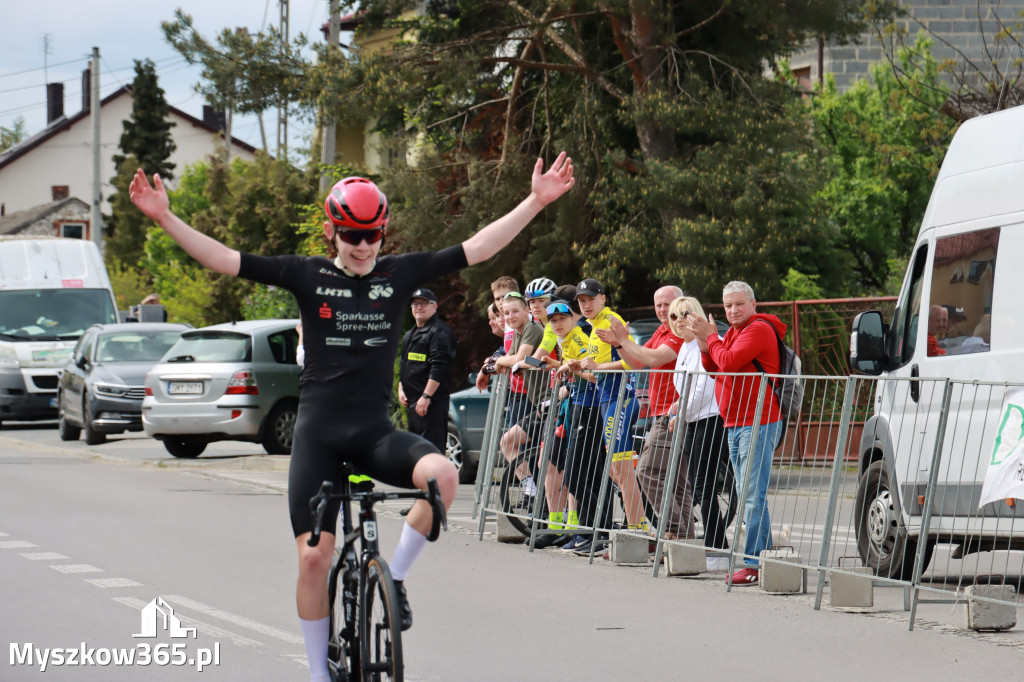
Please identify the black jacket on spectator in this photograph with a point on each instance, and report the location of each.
(428, 352)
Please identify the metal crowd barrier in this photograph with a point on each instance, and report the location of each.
(847, 489)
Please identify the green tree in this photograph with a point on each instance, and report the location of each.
(885, 139)
(146, 143)
(13, 135)
(642, 93)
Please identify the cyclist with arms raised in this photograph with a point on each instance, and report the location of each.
(351, 311)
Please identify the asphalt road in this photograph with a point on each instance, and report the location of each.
(90, 536)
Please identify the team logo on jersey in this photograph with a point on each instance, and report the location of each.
(325, 311)
(338, 341)
(332, 273)
(375, 341)
(380, 291)
(327, 291)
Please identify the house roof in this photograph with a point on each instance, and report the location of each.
(65, 122)
(16, 222)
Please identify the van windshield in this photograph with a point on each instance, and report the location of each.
(53, 314)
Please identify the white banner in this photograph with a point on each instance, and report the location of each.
(1005, 475)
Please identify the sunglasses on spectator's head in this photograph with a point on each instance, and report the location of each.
(537, 293)
(353, 237)
(512, 294)
(559, 309)
(674, 317)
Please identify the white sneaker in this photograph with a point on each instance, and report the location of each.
(529, 486)
(717, 563)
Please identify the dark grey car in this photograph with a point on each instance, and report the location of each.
(101, 388)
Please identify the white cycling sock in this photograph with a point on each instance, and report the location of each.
(409, 547)
(315, 634)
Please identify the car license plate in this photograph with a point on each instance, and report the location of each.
(185, 387)
(54, 402)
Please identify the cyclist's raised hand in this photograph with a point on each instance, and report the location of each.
(152, 201)
(555, 182)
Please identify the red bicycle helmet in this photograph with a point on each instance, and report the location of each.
(356, 203)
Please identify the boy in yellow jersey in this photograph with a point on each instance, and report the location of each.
(603, 357)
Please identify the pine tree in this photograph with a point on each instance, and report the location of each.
(146, 143)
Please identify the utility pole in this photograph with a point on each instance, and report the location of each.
(328, 137)
(97, 217)
(282, 110)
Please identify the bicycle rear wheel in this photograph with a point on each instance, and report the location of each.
(515, 503)
(380, 635)
(342, 657)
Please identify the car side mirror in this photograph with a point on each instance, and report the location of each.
(82, 362)
(867, 343)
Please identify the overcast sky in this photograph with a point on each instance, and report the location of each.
(124, 31)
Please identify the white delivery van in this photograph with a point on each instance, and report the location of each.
(51, 290)
(959, 319)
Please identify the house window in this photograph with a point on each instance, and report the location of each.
(71, 230)
(803, 81)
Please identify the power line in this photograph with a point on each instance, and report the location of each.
(41, 68)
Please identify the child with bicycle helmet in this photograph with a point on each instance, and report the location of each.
(351, 309)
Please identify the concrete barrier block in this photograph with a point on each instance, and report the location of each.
(507, 532)
(629, 549)
(846, 590)
(983, 615)
(681, 560)
(781, 578)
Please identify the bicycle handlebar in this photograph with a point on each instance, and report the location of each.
(438, 517)
(318, 507)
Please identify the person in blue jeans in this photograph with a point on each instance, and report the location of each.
(752, 337)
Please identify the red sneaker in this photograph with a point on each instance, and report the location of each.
(745, 576)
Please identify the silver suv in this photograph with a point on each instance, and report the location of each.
(235, 381)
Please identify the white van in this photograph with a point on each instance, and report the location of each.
(959, 318)
(51, 290)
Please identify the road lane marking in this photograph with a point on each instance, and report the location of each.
(17, 544)
(76, 568)
(4, 535)
(242, 621)
(206, 628)
(114, 582)
(37, 556)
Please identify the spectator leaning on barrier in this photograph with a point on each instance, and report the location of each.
(603, 357)
(496, 321)
(499, 289)
(704, 445)
(584, 464)
(659, 353)
(525, 385)
(425, 370)
(538, 295)
(752, 336)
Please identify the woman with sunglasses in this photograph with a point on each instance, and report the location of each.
(351, 309)
(704, 445)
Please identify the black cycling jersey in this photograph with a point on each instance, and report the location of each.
(350, 332)
(351, 324)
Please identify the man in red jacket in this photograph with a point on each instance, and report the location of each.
(752, 337)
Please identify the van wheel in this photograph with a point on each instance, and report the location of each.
(185, 448)
(92, 436)
(882, 540)
(279, 428)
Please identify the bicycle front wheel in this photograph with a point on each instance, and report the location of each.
(380, 625)
(516, 504)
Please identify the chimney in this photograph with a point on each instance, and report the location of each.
(86, 90)
(215, 119)
(54, 102)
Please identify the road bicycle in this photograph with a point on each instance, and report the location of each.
(365, 623)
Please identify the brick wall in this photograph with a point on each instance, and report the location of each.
(959, 26)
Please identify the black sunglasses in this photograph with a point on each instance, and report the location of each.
(353, 237)
(674, 317)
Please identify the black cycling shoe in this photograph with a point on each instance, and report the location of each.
(404, 610)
